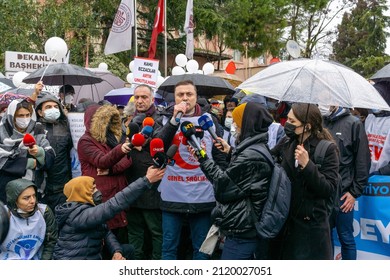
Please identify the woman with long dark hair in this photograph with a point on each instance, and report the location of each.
(306, 234)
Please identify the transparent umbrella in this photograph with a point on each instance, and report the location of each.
(317, 82)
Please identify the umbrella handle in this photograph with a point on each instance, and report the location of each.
(296, 163)
(47, 66)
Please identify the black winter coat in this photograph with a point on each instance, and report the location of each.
(82, 226)
(306, 235)
(355, 157)
(247, 177)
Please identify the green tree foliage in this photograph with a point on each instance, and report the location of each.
(310, 21)
(361, 42)
(255, 25)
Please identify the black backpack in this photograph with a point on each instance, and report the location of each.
(332, 203)
(277, 205)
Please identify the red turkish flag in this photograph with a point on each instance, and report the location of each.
(158, 27)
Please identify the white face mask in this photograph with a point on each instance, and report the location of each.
(228, 122)
(69, 99)
(52, 114)
(22, 122)
(325, 110)
(234, 131)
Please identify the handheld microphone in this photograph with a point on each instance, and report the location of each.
(147, 131)
(199, 133)
(132, 129)
(189, 131)
(207, 124)
(29, 140)
(160, 159)
(178, 116)
(171, 153)
(136, 141)
(148, 121)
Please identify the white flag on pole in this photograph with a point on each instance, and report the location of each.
(120, 36)
(189, 29)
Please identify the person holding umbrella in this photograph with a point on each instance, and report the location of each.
(306, 234)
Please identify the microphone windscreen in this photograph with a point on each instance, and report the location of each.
(132, 129)
(156, 146)
(188, 129)
(199, 132)
(137, 140)
(147, 131)
(205, 122)
(29, 140)
(148, 121)
(172, 151)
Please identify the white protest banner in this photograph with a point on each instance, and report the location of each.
(145, 71)
(27, 62)
(76, 125)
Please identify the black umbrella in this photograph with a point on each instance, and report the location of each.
(207, 86)
(63, 74)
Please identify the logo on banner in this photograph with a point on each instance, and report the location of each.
(122, 20)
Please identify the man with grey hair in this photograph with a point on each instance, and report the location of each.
(144, 217)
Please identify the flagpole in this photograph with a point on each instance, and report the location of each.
(135, 28)
(165, 39)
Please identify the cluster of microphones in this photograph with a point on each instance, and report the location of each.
(192, 136)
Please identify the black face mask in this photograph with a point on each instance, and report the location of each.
(97, 197)
(289, 129)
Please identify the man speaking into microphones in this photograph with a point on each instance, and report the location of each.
(185, 191)
(144, 214)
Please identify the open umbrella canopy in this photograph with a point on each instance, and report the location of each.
(207, 86)
(382, 75)
(120, 96)
(62, 74)
(97, 91)
(6, 85)
(316, 82)
(7, 97)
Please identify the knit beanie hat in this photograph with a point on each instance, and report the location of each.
(238, 114)
(79, 189)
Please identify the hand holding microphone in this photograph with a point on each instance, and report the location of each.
(179, 110)
(29, 141)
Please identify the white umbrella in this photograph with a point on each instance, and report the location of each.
(316, 82)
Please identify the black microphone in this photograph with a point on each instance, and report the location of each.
(132, 129)
(189, 132)
(171, 153)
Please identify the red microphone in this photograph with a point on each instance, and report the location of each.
(137, 140)
(29, 140)
(156, 146)
(148, 121)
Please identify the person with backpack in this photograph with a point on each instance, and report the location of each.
(355, 164)
(306, 234)
(243, 187)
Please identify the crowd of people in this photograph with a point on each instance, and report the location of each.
(125, 205)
